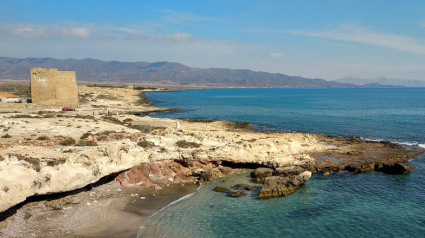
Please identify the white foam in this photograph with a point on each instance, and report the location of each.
(369, 139)
(177, 201)
(413, 143)
(171, 204)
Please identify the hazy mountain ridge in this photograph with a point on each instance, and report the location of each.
(382, 81)
(159, 73)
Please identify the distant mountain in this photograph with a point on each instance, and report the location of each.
(165, 73)
(383, 81)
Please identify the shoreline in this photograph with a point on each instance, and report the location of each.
(220, 146)
(257, 128)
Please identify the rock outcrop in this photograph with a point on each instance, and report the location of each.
(281, 181)
(261, 174)
(276, 186)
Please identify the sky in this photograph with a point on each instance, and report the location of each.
(327, 39)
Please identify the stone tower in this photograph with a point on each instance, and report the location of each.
(51, 87)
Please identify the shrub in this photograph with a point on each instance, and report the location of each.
(87, 143)
(145, 128)
(127, 120)
(146, 144)
(6, 136)
(68, 141)
(112, 119)
(67, 151)
(85, 135)
(186, 144)
(84, 116)
(43, 138)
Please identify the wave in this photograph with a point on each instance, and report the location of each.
(173, 203)
(405, 143)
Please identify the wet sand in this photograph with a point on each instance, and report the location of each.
(103, 211)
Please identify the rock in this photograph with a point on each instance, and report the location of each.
(397, 168)
(237, 194)
(289, 171)
(244, 186)
(360, 167)
(276, 186)
(206, 176)
(222, 189)
(260, 174)
(225, 170)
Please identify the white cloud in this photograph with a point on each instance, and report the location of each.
(81, 32)
(137, 34)
(276, 55)
(358, 34)
(364, 36)
(44, 31)
(183, 17)
(178, 36)
(30, 32)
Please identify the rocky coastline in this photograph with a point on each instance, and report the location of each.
(49, 152)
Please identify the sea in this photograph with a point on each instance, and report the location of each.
(341, 205)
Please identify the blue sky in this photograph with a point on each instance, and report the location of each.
(327, 39)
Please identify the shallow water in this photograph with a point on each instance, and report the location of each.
(345, 205)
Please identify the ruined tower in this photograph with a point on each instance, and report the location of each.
(51, 87)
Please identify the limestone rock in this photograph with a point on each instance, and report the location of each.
(222, 189)
(244, 186)
(237, 194)
(289, 171)
(260, 174)
(276, 186)
(397, 168)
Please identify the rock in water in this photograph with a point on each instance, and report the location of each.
(289, 171)
(276, 186)
(237, 194)
(397, 168)
(222, 189)
(261, 174)
(244, 186)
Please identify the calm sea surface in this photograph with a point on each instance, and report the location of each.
(366, 205)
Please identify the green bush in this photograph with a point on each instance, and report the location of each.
(43, 138)
(127, 120)
(6, 136)
(146, 144)
(68, 141)
(145, 128)
(67, 151)
(85, 135)
(186, 144)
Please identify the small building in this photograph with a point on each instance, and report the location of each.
(51, 87)
(9, 98)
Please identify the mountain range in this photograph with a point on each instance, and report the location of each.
(162, 73)
(382, 81)
(159, 73)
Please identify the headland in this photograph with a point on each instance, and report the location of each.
(66, 172)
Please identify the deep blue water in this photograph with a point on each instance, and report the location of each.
(366, 205)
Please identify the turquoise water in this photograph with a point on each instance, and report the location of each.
(365, 205)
